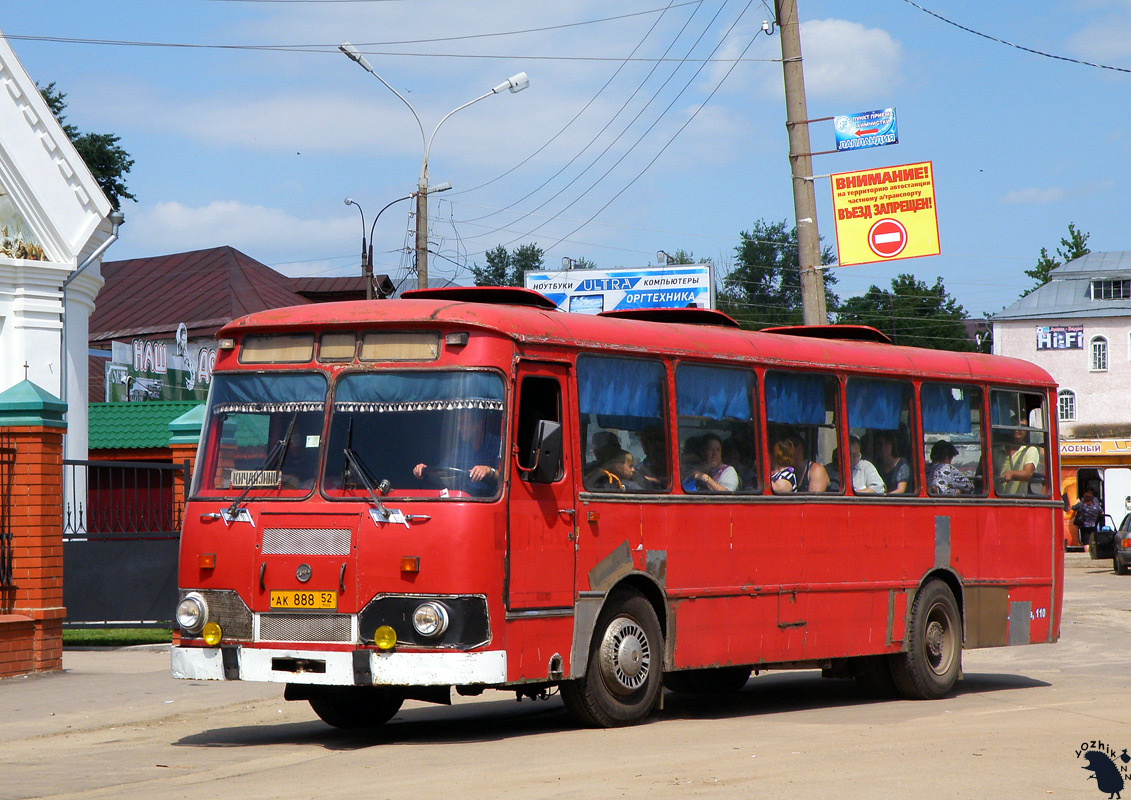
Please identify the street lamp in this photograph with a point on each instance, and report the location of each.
(367, 256)
(515, 83)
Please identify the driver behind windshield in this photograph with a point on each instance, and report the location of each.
(471, 456)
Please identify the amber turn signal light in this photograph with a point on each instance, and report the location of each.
(206, 560)
(410, 563)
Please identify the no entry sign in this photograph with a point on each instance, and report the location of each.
(885, 213)
(887, 238)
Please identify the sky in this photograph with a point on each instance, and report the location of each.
(648, 125)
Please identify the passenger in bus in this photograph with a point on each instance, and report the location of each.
(1019, 461)
(474, 451)
(615, 474)
(783, 477)
(738, 451)
(603, 444)
(652, 471)
(811, 475)
(865, 477)
(943, 478)
(895, 470)
(710, 473)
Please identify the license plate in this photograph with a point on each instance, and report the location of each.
(304, 600)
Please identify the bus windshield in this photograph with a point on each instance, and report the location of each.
(416, 434)
(262, 435)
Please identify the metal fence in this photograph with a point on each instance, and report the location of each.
(121, 523)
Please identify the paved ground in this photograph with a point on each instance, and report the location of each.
(113, 724)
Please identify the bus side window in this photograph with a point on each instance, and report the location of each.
(802, 409)
(716, 429)
(952, 439)
(623, 430)
(1020, 443)
(540, 398)
(879, 414)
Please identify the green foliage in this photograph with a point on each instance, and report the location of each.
(911, 313)
(104, 157)
(115, 637)
(506, 269)
(763, 287)
(1073, 247)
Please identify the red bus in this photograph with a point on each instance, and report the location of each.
(469, 489)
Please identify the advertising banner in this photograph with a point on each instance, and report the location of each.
(591, 291)
(865, 129)
(1060, 337)
(885, 214)
(160, 369)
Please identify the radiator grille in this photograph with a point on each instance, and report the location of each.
(226, 608)
(304, 628)
(306, 541)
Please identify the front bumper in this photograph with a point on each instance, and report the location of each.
(339, 668)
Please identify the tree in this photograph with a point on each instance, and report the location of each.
(506, 269)
(104, 157)
(911, 313)
(763, 287)
(1074, 246)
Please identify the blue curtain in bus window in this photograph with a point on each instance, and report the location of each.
(946, 409)
(875, 404)
(1004, 408)
(794, 399)
(427, 391)
(258, 392)
(714, 393)
(623, 393)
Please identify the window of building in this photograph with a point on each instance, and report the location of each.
(1111, 289)
(1066, 405)
(1099, 354)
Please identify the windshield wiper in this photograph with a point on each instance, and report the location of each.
(352, 463)
(279, 451)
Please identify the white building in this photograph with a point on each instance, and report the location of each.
(55, 223)
(1078, 327)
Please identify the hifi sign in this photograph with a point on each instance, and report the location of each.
(1060, 337)
(885, 214)
(591, 291)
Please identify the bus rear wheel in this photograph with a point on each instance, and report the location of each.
(353, 707)
(930, 667)
(623, 676)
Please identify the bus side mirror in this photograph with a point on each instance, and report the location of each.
(545, 455)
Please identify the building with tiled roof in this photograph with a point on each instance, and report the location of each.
(135, 431)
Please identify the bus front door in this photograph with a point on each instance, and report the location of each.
(541, 514)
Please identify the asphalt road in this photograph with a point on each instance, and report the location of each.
(113, 724)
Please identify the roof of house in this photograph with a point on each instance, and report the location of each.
(134, 426)
(204, 289)
(1068, 292)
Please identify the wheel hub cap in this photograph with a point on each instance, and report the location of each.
(625, 656)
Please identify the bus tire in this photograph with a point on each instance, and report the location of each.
(873, 676)
(930, 667)
(353, 707)
(623, 676)
(712, 680)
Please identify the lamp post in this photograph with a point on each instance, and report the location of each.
(349, 201)
(515, 83)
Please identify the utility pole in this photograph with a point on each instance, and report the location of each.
(422, 228)
(813, 310)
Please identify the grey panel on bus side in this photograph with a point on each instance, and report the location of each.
(987, 616)
(942, 541)
(1020, 613)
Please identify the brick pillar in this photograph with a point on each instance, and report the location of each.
(31, 607)
(184, 434)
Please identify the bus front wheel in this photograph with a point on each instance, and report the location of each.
(930, 667)
(623, 676)
(354, 707)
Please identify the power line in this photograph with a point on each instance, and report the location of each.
(1012, 44)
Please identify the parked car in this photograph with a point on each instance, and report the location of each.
(1121, 547)
(1102, 541)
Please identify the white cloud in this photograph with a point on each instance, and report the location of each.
(1107, 42)
(847, 60)
(261, 232)
(1033, 195)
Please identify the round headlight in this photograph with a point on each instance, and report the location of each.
(192, 613)
(430, 619)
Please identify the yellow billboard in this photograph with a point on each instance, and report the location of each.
(885, 214)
